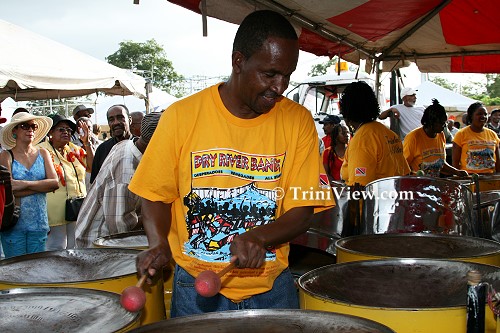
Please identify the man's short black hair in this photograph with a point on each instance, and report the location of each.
(120, 105)
(259, 26)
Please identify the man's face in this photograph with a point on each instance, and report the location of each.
(264, 76)
(119, 122)
(450, 124)
(495, 117)
(410, 100)
(328, 128)
(84, 113)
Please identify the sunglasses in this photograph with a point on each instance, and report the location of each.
(64, 129)
(26, 126)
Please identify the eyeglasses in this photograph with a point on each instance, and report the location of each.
(64, 130)
(26, 126)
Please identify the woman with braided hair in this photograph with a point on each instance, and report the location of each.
(425, 147)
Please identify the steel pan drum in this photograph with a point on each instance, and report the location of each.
(369, 247)
(489, 208)
(407, 295)
(417, 204)
(61, 310)
(103, 269)
(326, 226)
(139, 241)
(266, 321)
(127, 240)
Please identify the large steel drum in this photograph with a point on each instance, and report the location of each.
(267, 321)
(370, 247)
(489, 182)
(417, 204)
(61, 310)
(139, 241)
(407, 295)
(326, 226)
(486, 213)
(103, 269)
(126, 240)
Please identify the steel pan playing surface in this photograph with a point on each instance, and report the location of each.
(266, 321)
(103, 269)
(127, 240)
(366, 247)
(60, 310)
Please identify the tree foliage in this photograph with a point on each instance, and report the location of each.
(149, 58)
(444, 83)
(493, 85)
(321, 69)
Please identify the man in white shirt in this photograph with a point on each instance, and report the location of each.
(408, 114)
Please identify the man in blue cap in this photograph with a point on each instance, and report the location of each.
(329, 123)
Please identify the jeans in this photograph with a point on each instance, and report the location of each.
(23, 242)
(185, 300)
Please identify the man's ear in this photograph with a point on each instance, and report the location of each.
(237, 60)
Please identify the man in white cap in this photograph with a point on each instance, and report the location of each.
(408, 114)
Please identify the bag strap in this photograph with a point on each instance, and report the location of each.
(64, 171)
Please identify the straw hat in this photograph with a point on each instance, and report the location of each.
(7, 139)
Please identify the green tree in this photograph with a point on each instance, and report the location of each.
(148, 58)
(444, 83)
(493, 85)
(321, 69)
(474, 90)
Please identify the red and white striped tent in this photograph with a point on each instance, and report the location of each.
(440, 36)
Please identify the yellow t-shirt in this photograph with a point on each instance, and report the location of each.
(223, 176)
(424, 153)
(478, 150)
(374, 152)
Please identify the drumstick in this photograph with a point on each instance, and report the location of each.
(133, 298)
(208, 283)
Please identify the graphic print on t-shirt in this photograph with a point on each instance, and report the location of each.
(216, 215)
(480, 159)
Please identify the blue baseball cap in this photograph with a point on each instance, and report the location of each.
(330, 119)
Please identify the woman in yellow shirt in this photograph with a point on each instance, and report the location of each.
(374, 151)
(475, 147)
(425, 147)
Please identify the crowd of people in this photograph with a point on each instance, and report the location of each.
(205, 189)
(49, 160)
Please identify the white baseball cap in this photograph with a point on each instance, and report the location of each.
(408, 92)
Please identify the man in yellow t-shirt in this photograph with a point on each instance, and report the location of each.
(232, 174)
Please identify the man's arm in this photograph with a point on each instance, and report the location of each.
(387, 113)
(250, 247)
(156, 217)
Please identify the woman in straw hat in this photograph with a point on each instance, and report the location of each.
(70, 162)
(33, 175)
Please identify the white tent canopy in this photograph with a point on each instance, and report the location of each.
(35, 67)
(158, 100)
(452, 101)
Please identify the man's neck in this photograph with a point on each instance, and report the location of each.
(126, 136)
